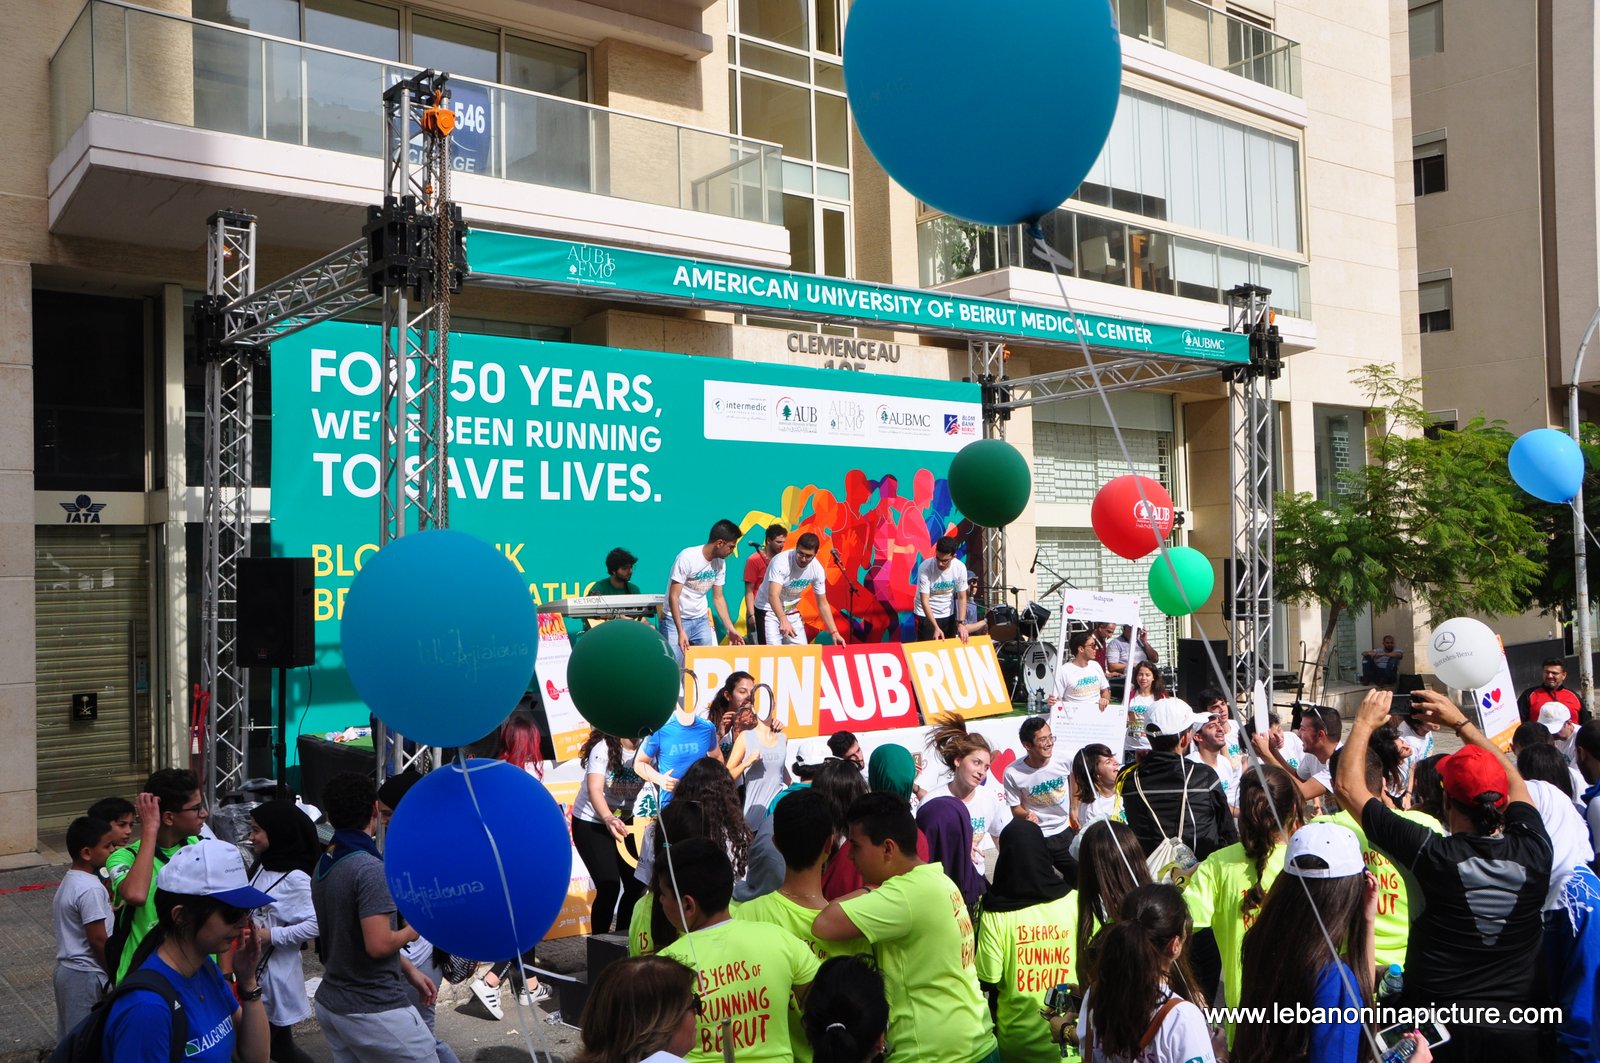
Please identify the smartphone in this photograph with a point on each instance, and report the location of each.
(1400, 705)
(1432, 1032)
(1063, 999)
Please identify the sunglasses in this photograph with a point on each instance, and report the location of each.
(697, 1004)
(233, 915)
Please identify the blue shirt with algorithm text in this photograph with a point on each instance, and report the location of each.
(674, 747)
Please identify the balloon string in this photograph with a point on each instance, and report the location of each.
(511, 913)
(1054, 258)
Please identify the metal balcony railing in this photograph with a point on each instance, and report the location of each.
(1216, 38)
(127, 60)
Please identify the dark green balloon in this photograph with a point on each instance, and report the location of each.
(990, 482)
(623, 679)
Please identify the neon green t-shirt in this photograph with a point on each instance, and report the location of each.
(639, 926)
(1215, 896)
(1393, 927)
(747, 973)
(1025, 953)
(922, 936)
(797, 919)
(144, 917)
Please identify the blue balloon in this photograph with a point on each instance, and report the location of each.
(467, 896)
(992, 112)
(439, 637)
(1547, 464)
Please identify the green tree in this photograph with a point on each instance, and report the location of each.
(1431, 516)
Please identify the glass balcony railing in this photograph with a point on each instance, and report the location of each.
(1216, 38)
(1112, 252)
(148, 64)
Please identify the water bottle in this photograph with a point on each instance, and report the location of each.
(1392, 983)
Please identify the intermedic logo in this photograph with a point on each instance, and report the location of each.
(1209, 344)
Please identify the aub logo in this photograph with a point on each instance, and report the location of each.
(1148, 514)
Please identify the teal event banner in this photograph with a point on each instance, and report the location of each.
(559, 452)
(541, 260)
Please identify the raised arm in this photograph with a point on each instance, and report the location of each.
(1351, 785)
(1441, 710)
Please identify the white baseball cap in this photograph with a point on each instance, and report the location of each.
(211, 868)
(1554, 716)
(1336, 846)
(1173, 716)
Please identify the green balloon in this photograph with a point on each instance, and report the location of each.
(623, 679)
(1194, 576)
(990, 482)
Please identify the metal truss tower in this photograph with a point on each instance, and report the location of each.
(1252, 422)
(986, 364)
(418, 259)
(229, 411)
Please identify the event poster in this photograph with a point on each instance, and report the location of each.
(559, 452)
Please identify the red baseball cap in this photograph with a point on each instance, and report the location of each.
(1471, 771)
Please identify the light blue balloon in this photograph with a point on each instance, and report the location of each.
(990, 110)
(1547, 464)
(439, 637)
(443, 870)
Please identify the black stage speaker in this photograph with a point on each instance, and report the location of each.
(1194, 668)
(275, 612)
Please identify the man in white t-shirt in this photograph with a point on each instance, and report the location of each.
(941, 605)
(790, 573)
(1080, 681)
(1320, 730)
(696, 572)
(1039, 788)
(1211, 749)
(1417, 734)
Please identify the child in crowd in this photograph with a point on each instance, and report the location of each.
(82, 912)
(117, 811)
(847, 1011)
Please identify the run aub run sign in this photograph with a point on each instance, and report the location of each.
(818, 690)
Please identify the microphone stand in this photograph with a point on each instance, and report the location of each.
(849, 591)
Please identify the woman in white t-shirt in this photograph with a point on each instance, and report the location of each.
(967, 756)
(1094, 783)
(1148, 688)
(1148, 1010)
(609, 788)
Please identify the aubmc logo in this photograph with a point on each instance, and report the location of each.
(1202, 343)
(889, 417)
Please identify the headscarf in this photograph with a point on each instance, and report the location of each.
(1024, 875)
(948, 825)
(892, 770)
(292, 843)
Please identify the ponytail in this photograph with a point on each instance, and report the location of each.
(1265, 801)
(1483, 811)
(1133, 967)
(950, 739)
(846, 1010)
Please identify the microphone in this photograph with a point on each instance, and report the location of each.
(836, 558)
(754, 544)
(1035, 562)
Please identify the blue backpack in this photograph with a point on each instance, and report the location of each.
(85, 1042)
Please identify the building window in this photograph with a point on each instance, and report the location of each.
(1340, 447)
(1434, 301)
(1174, 163)
(1427, 28)
(1428, 164)
(786, 84)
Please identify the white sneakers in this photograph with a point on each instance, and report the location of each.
(488, 996)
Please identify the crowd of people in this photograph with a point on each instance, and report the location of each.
(846, 908)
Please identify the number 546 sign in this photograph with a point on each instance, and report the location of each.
(470, 143)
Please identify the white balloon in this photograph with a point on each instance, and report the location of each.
(1464, 653)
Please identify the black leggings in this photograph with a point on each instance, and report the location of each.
(613, 878)
(281, 1046)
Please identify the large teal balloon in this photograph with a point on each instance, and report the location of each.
(480, 872)
(439, 636)
(991, 110)
(1194, 576)
(1547, 464)
(623, 679)
(990, 482)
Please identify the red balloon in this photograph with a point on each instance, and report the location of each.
(1124, 522)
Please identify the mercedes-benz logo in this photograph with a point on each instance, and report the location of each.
(1444, 640)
